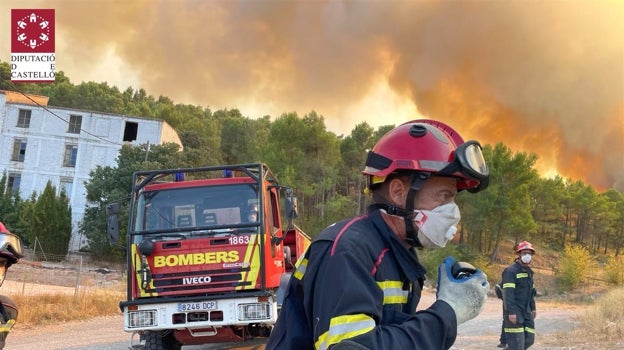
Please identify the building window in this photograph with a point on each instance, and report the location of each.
(23, 121)
(19, 150)
(13, 184)
(66, 185)
(71, 153)
(75, 122)
(130, 131)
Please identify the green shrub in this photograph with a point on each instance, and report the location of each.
(432, 258)
(494, 272)
(572, 267)
(613, 270)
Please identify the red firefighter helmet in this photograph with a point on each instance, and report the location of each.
(10, 246)
(524, 245)
(431, 147)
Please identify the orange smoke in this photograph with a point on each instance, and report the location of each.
(540, 76)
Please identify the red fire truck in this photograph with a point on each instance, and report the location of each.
(207, 252)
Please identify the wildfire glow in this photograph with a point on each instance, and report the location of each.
(544, 77)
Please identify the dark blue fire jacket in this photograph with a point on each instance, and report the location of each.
(357, 284)
(519, 290)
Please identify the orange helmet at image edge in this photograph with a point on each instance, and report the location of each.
(10, 245)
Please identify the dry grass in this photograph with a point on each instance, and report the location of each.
(605, 320)
(35, 310)
(52, 295)
(601, 327)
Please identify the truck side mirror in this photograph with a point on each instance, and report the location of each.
(291, 205)
(112, 226)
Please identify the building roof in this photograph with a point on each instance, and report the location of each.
(27, 99)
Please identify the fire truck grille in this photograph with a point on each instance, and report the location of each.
(197, 282)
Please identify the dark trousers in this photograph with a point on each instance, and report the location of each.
(521, 335)
(502, 339)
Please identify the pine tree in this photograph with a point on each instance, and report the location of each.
(51, 222)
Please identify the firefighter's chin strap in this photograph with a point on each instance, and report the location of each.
(417, 181)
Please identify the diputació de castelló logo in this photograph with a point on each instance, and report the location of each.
(32, 45)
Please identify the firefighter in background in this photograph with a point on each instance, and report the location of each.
(359, 282)
(502, 342)
(498, 288)
(252, 212)
(10, 253)
(519, 298)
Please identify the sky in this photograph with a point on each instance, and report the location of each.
(545, 77)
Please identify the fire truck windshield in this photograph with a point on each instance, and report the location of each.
(195, 208)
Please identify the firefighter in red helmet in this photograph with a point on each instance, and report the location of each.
(519, 298)
(10, 253)
(358, 284)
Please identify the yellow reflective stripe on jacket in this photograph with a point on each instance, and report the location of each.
(393, 292)
(7, 326)
(344, 327)
(300, 267)
(529, 330)
(509, 285)
(522, 275)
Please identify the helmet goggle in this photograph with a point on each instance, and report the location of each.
(11, 244)
(468, 160)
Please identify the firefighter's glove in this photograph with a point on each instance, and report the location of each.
(466, 294)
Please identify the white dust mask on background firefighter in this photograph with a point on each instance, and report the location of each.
(437, 226)
(526, 258)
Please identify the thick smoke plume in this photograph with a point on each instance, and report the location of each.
(540, 76)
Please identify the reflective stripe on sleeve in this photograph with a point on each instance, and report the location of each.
(393, 292)
(300, 268)
(509, 285)
(344, 327)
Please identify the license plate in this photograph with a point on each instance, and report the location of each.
(199, 306)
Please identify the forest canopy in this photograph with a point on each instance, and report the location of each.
(324, 169)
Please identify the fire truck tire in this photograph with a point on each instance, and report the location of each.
(161, 341)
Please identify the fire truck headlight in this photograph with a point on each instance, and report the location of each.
(254, 311)
(142, 318)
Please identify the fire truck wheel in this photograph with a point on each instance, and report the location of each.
(161, 341)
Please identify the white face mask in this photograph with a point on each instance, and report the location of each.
(526, 258)
(437, 226)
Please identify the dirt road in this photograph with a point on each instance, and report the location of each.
(106, 333)
(483, 332)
